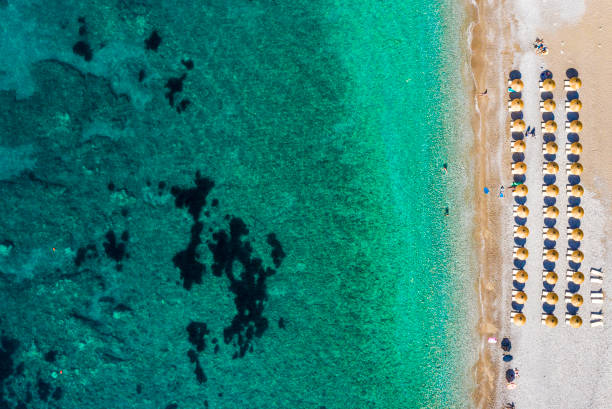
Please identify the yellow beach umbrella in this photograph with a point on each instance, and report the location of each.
(551, 278)
(575, 83)
(518, 125)
(551, 298)
(519, 168)
(516, 105)
(578, 278)
(551, 191)
(522, 232)
(551, 321)
(577, 191)
(577, 212)
(519, 146)
(522, 253)
(550, 126)
(552, 212)
(575, 126)
(552, 234)
(521, 190)
(552, 168)
(548, 84)
(522, 211)
(517, 85)
(576, 148)
(577, 300)
(551, 148)
(520, 297)
(552, 255)
(576, 168)
(549, 105)
(575, 105)
(575, 321)
(519, 320)
(577, 256)
(577, 235)
(522, 276)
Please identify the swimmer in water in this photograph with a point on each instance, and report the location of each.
(445, 168)
(446, 212)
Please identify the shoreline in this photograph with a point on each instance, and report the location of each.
(487, 32)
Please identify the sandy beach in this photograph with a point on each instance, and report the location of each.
(559, 367)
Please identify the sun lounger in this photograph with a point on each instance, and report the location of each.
(596, 272)
(569, 274)
(596, 315)
(597, 300)
(541, 84)
(568, 294)
(566, 85)
(596, 280)
(597, 294)
(568, 315)
(597, 323)
(544, 294)
(567, 126)
(512, 315)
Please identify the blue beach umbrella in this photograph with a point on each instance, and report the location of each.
(486, 190)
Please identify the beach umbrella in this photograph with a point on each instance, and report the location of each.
(577, 235)
(577, 256)
(522, 253)
(551, 298)
(552, 212)
(521, 190)
(549, 105)
(578, 278)
(577, 300)
(575, 321)
(506, 345)
(551, 278)
(577, 212)
(522, 276)
(577, 191)
(576, 148)
(575, 126)
(507, 358)
(518, 125)
(575, 105)
(519, 168)
(517, 85)
(520, 297)
(550, 126)
(575, 83)
(551, 191)
(516, 105)
(519, 146)
(552, 168)
(519, 320)
(548, 84)
(522, 232)
(551, 148)
(510, 375)
(552, 255)
(551, 321)
(552, 234)
(522, 211)
(576, 168)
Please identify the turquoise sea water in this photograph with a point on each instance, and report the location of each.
(325, 123)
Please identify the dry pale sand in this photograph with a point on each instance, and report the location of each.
(559, 367)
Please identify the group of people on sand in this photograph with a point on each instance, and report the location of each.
(539, 46)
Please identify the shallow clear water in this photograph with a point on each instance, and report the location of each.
(326, 123)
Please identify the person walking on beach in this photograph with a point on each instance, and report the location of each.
(484, 93)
